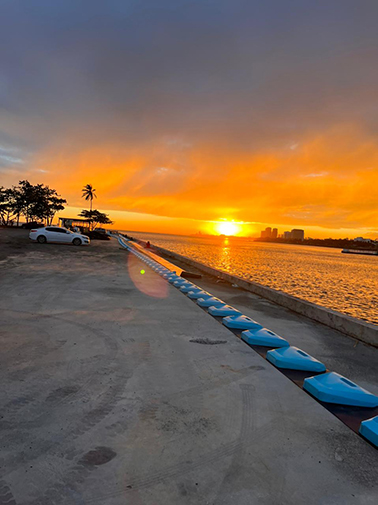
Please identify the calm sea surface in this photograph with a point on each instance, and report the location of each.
(343, 282)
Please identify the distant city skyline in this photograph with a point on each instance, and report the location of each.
(294, 234)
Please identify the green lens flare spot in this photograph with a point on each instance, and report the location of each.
(142, 272)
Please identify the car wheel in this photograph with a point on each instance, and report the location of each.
(41, 239)
(76, 241)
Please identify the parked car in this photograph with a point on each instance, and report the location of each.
(32, 224)
(97, 235)
(58, 235)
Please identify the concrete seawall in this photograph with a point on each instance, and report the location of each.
(365, 332)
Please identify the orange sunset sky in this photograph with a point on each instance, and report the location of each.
(184, 114)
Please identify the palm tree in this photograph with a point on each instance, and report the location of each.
(89, 193)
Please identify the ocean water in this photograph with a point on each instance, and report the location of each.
(343, 282)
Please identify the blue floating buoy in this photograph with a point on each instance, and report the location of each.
(172, 279)
(195, 290)
(241, 323)
(210, 302)
(179, 282)
(264, 337)
(198, 293)
(369, 430)
(294, 359)
(185, 288)
(224, 311)
(332, 387)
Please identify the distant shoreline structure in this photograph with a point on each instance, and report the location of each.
(359, 251)
(347, 244)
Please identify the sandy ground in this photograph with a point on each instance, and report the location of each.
(106, 399)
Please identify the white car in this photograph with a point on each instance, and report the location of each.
(58, 235)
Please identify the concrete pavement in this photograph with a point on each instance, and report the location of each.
(105, 399)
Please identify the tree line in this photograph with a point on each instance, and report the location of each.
(32, 202)
(40, 203)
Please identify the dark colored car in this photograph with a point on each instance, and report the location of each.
(97, 235)
(32, 224)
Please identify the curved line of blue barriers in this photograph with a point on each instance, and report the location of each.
(325, 386)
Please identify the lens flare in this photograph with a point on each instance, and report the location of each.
(146, 281)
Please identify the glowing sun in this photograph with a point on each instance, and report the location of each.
(227, 228)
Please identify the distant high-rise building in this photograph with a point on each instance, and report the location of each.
(287, 235)
(297, 234)
(267, 233)
(274, 233)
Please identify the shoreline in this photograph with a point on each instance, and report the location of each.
(341, 243)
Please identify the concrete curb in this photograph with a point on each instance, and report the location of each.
(365, 332)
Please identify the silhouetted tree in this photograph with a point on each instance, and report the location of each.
(95, 217)
(10, 204)
(89, 194)
(35, 202)
(46, 203)
(3, 204)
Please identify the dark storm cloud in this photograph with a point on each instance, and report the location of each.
(250, 71)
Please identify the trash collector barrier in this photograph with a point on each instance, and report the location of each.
(355, 406)
(365, 332)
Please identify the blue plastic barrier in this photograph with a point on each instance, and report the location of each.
(178, 284)
(198, 293)
(264, 337)
(195, 290)
(241, 323)
(174, 276)
(185, 288)
(172, 279)
(210, 302)
(332, 387)
(180, 281)
(369, 430)
(293, 358)
(225, 311)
